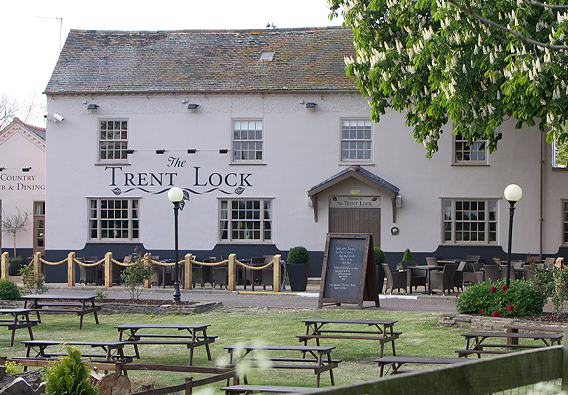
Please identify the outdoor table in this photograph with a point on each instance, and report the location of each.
(65, 304)
(113, 351)
(380, 330)
(475, 342)
(21, 319)
(397, 362)
(429, 269)
(320, 360)
(195, 336)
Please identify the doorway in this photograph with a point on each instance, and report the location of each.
(356, 220)
(39, 227)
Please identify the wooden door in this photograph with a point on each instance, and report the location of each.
(356, 220)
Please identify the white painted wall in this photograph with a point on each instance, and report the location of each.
(301, 150)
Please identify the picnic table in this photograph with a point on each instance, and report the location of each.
(20, 319)
(515, 328)
(113, 351)
(319, 359)
(475, 342)
(195, 335)
(64, 304)
(397, 361)
(379, 330)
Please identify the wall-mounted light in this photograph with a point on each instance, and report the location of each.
(191, 150)
(129, 151)
(398, 201)
(311, 105)
(160, 151)
(26, 169)
(192, 106)
(2, 168)
(223, 151)
(92, 107)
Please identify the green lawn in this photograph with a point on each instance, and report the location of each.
(421, 337)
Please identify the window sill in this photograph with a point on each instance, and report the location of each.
(356, 164)
(247, 164)
(245, 242)
(114, 163)
(114, 241)
(470, 164)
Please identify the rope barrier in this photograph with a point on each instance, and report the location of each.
(164, 263)
(254, 267)
(52, 263)
(210, 263)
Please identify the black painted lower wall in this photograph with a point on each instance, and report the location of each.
(58, 274)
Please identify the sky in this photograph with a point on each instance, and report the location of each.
(33, 30)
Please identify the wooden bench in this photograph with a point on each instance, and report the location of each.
(380, 330)
(515, 328)
(320, 360)
(21, 319)
(247, 388)
(397, 362)
(113, 350)
(197, 336)
(475, 342)
(62, 304)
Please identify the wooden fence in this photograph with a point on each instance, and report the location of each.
(474, 377)
(186, 267)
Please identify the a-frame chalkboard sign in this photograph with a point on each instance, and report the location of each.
(348, 271)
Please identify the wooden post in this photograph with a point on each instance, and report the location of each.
(4, 264)
(188, 385)
(232, 273)
(108, 270)
(71, 269)
(565, 363)
(146, 260)
(37, 265)
(187, 272)
(276, 280)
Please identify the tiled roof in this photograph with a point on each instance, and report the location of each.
(39, 131)
(203, 61)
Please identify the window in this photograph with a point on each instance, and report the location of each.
(113, 140)
(565, 223)
(470, 221)
(247, 141)
(113, 219)
(474, 153)
(246, 220)
(356, 140)
(559, 155)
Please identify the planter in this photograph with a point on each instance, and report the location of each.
(380, 273)
(298, 275)
(14, 267)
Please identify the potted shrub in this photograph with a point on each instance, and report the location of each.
(14, 265)
(298, 265)
(379, 260)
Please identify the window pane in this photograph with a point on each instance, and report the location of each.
(247, 140)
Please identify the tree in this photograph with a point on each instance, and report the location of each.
(26, 109)
(14, 223)
(473, 64)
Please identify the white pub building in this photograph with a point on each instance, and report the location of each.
(273, 145)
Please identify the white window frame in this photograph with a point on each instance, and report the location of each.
(556, 165)
(98, 216)
(468, 154)
(351, 141)
(246, 139)
(121, 142)
(460, 217)
(236, 230)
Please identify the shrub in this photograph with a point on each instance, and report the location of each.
(8, 289)
(407, 256)
(298, 255)
(522, 298)
(69, 375)
(133, 275)
(552, 283)
(30, 281)
(379, 255)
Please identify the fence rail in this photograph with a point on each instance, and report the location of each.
(108, 261)
(474, 377)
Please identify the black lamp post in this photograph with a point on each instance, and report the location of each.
(175, 195)
(513, 194)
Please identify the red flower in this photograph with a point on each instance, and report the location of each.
(495, 313)
(504, 287)
(493, 288)
(510, 307)
(480, 311)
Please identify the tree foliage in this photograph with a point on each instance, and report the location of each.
(12, 224)
(471, 63)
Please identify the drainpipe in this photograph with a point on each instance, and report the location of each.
(541, 191)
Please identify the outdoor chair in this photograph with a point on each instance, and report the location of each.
(220, 276)
(93, 274)
(559, 263)
(201, 274)
(497, 260)
(472, 258)
(268, 273)
(492, 272)
(475, 275)
(255, 276)
(396, 279)
(431, 261)
(414, 277)
(549, 261)
(444, 280)
(458, 278)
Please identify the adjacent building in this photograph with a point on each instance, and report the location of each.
(273, 145)
(22, 187)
